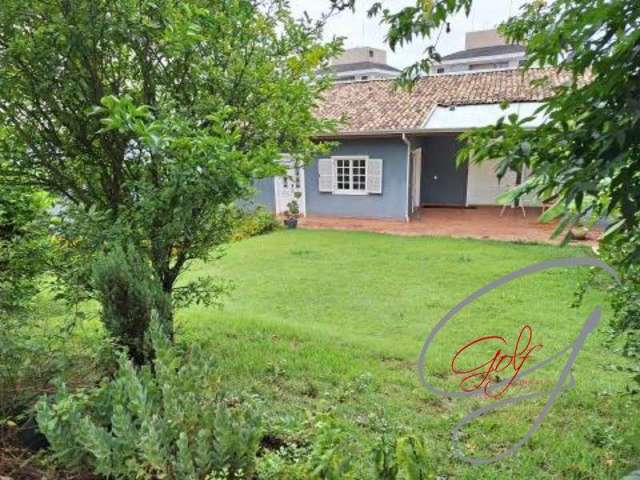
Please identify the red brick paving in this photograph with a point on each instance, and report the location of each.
(480, 223)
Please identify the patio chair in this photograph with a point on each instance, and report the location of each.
(504, 188)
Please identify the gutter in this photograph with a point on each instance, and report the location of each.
(389, 133)
(408, 199)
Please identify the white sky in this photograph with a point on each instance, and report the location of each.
(361, 31)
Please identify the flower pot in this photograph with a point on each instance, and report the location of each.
(291, 222)
(579, 233)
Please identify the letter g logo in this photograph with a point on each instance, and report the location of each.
(565, 380)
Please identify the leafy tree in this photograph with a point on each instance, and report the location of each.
(24, 246)
(586, 156)
(149, 118)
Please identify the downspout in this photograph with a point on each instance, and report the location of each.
(408, 199)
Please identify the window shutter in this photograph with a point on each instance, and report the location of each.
(374, 175)
(325, 175)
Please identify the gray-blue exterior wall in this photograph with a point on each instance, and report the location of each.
(391, 203)
(265, 194)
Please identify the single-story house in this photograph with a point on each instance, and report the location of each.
(397, 150)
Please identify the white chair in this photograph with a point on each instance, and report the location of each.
(504, 188)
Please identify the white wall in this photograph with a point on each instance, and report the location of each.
(483, 38)
(475, 65)
(361, 54)
(483, 187)
(471, 116)
(482, 183)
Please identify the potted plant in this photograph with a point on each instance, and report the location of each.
(579, 232)
(293, 212)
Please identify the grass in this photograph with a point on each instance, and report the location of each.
(325, 318)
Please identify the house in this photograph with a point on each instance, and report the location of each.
(484, 50)
(397, 149)
(362, 63)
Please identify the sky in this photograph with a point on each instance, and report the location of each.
(361, 31)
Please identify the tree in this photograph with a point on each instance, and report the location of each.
(586, 156)
(24, 246)
(149, 118)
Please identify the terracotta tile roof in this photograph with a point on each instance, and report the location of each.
(376, 105)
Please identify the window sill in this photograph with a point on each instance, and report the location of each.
(347, 192)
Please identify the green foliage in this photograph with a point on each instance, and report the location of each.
(625, 300)
(24, 245)
(412, 455)
(130, 295)
(257, 222)
(160, 115)
(170, 423)
(331, 457)
(293, 207)
(30, 355)
(385, 462)
(403, 457)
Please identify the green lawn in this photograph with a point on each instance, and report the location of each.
(322, 318)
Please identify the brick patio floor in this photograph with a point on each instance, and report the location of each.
(481, 223)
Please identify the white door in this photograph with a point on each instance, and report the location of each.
(286, 186)
(416, 158)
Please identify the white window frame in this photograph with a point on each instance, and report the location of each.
(350, 158)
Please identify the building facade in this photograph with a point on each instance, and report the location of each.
(362, 63)
(398, 150)
(484, 50)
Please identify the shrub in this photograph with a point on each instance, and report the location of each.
(258, 222)
(28, 359)
(129, 292)
(170, 422)
(335, 455)
(24, 245)
(331, 457)
(624, 328)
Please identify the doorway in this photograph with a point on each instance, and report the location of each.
(286, 187)
(443, 182)
(416, 178)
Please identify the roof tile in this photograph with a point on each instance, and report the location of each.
(378, 105)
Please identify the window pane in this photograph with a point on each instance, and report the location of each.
(351, 174)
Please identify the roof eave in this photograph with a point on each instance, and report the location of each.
(384, 133)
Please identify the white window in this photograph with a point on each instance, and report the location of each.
(350, 175)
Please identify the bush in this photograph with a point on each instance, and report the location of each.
(625, 299)
(24, 245)
(28, 359)
(335, 454)
(258, 222)
(170, 422)
(129, 292)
